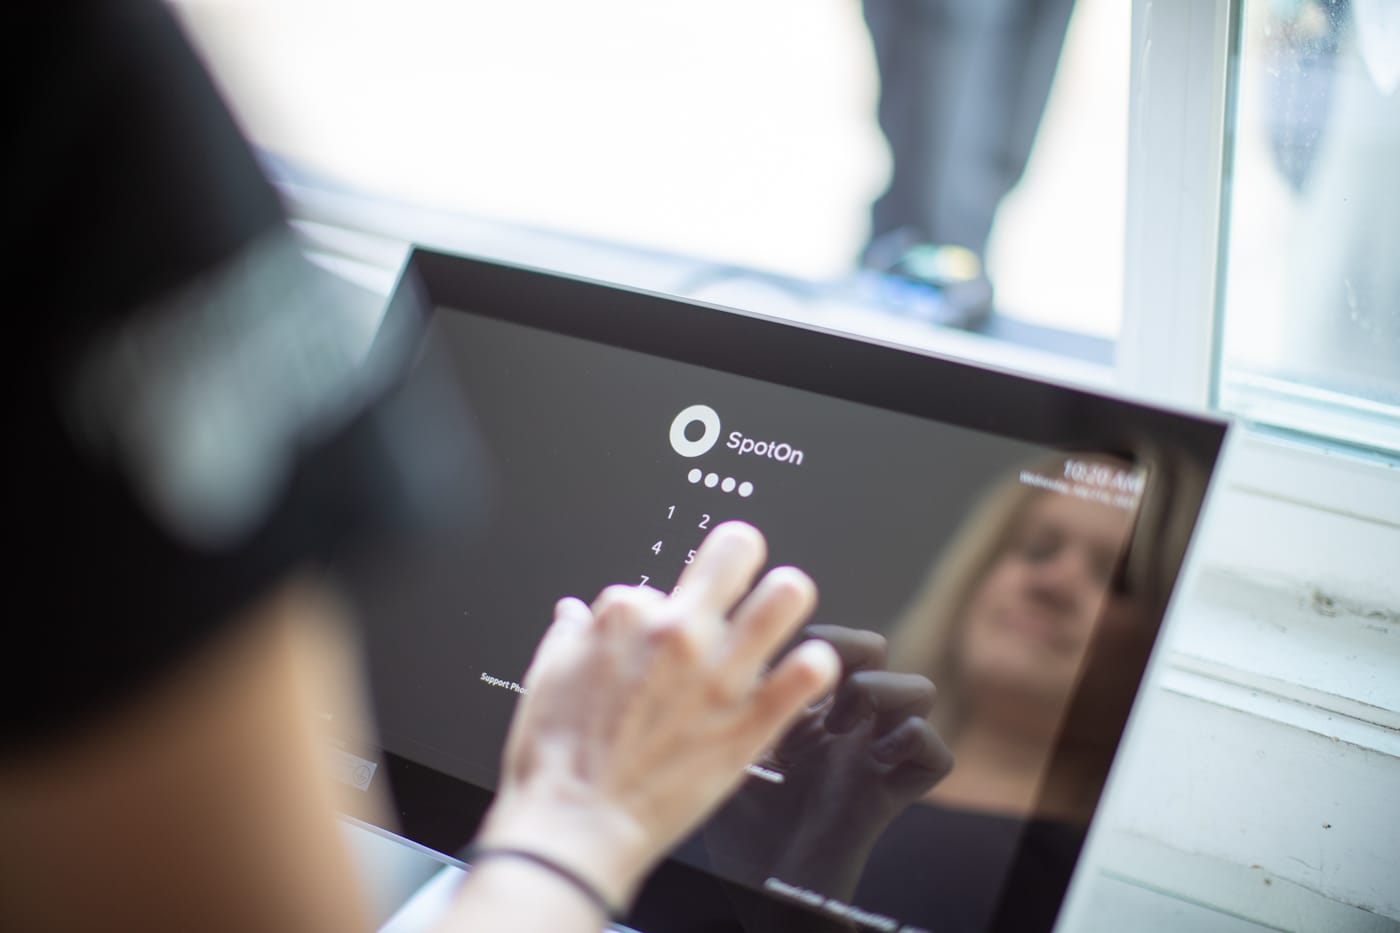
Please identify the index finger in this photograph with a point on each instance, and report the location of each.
(724, 567)
(571, 616)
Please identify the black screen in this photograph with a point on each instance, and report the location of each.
(1002, 570)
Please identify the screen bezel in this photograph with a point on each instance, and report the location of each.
(441, 813)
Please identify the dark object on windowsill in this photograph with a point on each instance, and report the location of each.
(942, 283)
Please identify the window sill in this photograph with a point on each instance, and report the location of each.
(1312, 474)
(1259, 776)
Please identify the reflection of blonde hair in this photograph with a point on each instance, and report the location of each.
(925, 636)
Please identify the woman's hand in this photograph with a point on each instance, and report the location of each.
(642, 711)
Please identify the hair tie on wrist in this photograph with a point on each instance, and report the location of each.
(474, 852)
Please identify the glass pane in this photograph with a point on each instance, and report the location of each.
(1312, 274)
(798, 146)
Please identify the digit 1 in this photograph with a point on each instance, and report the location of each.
(670, 512)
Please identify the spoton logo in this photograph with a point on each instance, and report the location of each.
(709, 420)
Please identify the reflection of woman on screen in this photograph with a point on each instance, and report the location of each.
(1035, 627)
(1003, 627)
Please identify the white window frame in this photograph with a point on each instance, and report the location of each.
(1285, 641)
(1169, 345)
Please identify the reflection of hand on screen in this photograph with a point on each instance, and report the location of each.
(849, 766)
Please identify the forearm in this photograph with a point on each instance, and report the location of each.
(200, 806)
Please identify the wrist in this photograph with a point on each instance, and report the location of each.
(475, 855)
(605, 848)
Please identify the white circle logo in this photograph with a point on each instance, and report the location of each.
(708, 419)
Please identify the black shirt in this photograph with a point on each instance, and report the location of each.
(195, 419)
(962, 871)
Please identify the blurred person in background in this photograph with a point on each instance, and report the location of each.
(963, 85)
(205, 429)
